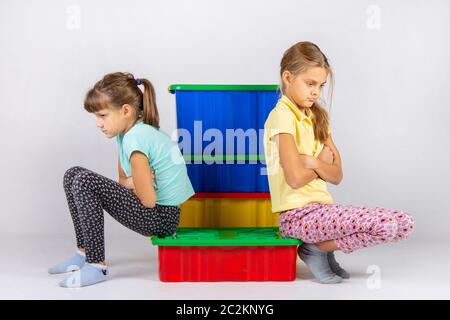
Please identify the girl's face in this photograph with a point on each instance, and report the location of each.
(114, 121)
(304, 89)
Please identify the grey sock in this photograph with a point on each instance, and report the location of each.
(88, 275)
(335, 267)
(317, 262)
(74, 263)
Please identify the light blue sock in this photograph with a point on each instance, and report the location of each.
(317, 262)
(335, 267)
(74, 263)
(88, 275)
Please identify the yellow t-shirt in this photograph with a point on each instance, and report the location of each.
(287, 118)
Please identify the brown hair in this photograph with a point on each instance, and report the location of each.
(119, 88)
(296, 60)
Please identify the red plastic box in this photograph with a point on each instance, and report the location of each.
(227, 254)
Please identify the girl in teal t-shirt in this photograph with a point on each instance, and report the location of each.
(153, 179)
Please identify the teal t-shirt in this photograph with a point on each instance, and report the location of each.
(172, 184)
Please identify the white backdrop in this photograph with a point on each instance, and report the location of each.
(389, 117)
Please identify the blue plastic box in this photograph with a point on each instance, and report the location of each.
(223, 107)
(216, 109)
(245, 177)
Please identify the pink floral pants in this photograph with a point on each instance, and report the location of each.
(350, 226)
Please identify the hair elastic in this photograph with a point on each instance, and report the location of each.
(138, 82)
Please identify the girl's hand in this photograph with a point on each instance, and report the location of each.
(128, 183)
(308, 161)
(326, 155)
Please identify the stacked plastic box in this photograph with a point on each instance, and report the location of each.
(227, 230)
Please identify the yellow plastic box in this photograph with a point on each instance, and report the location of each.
(227, 213)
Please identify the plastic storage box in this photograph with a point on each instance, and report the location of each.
(223, 107)
(228, 210)
(226, 254)
(236, 113)
(245, 174)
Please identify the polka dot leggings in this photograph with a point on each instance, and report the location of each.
(351, 227)
(88, 193)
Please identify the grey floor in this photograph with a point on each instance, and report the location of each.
(411, 269)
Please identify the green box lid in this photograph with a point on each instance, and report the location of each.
(268, 236)
(223, 87)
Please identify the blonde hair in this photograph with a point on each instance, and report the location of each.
(299, 58)
(119, 88)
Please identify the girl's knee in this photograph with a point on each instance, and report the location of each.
(403, 216)
(82, 181)
(70, 173)
(384, 227)
(405, 224)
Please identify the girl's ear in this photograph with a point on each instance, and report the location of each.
(126, 109)
(286, 77)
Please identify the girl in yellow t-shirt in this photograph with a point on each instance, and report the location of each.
(301, 158)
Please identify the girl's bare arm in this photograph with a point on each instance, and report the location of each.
(142, 178)
(295, 172)
(329, 172)
(122, 175)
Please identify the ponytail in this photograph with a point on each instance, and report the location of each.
(150, 111)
